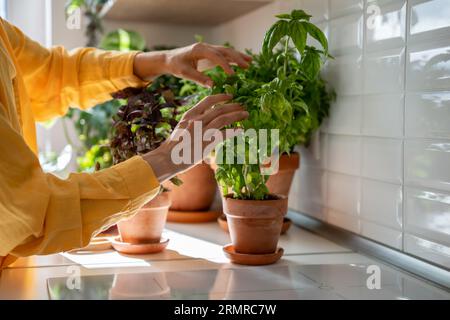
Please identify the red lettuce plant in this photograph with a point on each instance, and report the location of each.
(144, 122)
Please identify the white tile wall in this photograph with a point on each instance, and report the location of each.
(428, 114)
(387, 140)
(382, 114)
(382, 168)
(382, 159)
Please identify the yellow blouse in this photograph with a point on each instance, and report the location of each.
(40, 213)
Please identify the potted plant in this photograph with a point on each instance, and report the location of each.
(273, 91)
(141, 124)
(196, 194)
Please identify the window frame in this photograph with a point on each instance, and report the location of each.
(3, 10)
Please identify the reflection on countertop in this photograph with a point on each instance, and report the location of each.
(194, 267)
(293, 281)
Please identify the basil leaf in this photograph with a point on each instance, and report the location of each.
(317, 34)
(274, 35)
(299, 15)
(298, 35)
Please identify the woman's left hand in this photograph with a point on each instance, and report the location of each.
(184, 62)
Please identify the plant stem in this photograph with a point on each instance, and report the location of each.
(286, 48)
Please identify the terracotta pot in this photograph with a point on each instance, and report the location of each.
(147, 225)
(255, 225)
(197, 191)
(280, 183)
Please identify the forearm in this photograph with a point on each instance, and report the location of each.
(150, 65)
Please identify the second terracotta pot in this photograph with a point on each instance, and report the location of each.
(280, 183)
(147, 225)
(197, 191)
(255, 225)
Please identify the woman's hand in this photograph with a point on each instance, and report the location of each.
(184, 62)
(161, 160)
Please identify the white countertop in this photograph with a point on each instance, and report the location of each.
(195, 247)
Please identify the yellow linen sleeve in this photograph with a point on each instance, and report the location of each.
(56, 79)
(42, 214)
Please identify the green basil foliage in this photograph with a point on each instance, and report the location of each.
(282, 89)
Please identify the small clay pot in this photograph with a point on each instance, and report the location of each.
(280, 183)
(222, 220)
(148, 223)
(197, 191)
(255, 225)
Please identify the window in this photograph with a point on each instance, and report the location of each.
(3, 8)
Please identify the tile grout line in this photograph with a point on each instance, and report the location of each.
(407, 27)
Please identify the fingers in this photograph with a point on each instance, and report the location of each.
(234, 56)
(218, 58)
(206, 104)
(197, 76)
(210, 115)
(205, 51)
(227, 119)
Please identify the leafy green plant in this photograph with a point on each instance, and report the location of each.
(123, 40)
(94, 126)
(143, 122)
(281, 90)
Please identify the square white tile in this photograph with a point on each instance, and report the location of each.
(345, 74)
(390, 237)
(346, 34)
(427, 214)
(310, 189)
(427, 163)
(384, 71)
(382, 203)
(343, 193)
(428, 19)
(383, 115)
(345, 115)
(428, 66)
(427, 115)
(385, 24)
(382, 159)
(344, 154)
(344, 220)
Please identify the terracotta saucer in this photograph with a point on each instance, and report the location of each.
(251, 259)
(192, 216)
(144, 248)
(222, 220)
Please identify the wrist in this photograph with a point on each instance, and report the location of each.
(149, 65)
(161, 163)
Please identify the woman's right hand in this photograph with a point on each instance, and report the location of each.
(161, 159)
